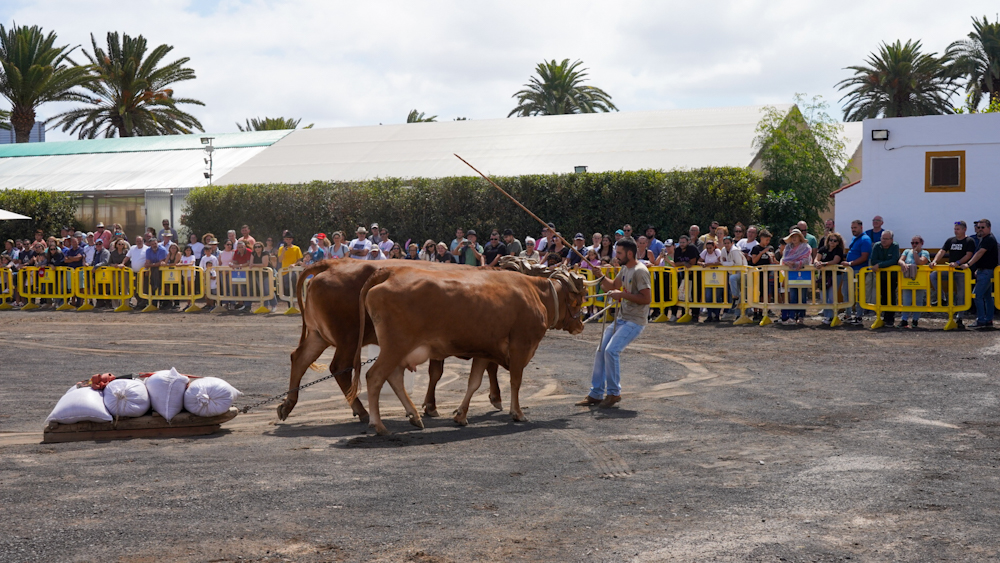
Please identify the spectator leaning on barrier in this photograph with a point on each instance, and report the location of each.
(694, 238)
(289, 255)
(960, 249)
(733, 256)
(983, 262)
(911, 259)
(884, 255)
(747, 244)
(643, 253)
(156, 256)
(210, 261)
(857, 257)
(361, 247)
(494, 249)
(136, 259)
(655, 246)
(512, 245)
(102, 256)
(797, 255)
(711, 257)
(830, 254)
(88, 249)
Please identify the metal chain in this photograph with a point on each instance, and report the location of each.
(247, 408)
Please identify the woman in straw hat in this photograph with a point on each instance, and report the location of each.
(797, 255)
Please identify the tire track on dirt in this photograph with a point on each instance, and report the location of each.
(609, 464)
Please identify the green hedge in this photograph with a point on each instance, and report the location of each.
(423, 208)
(48, 211)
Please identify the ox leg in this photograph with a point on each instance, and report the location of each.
(515, 389)
(398, 386)
(495, 399)
(374, 379)
(435, 370)
(308, 351)
(475, 380)
(344, 381)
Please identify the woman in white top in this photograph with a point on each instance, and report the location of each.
(195, 246)
(711, 257)
(226, 256)
(208, 263)
(427, 253)
(338, 249)
(529, 251)
(909, 261)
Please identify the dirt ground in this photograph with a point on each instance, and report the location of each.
(731, 444)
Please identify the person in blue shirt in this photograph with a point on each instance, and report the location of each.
(857, 258)
(875, 233)
(156, 256)
(655, 246)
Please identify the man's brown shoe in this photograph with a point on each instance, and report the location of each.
(588, 402)
(609, 401)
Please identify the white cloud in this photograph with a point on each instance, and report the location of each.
(350, 63)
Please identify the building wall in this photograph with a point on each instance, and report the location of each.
(894, 177)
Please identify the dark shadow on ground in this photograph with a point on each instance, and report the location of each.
(405, 435)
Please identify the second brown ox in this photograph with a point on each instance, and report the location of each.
(490, 316)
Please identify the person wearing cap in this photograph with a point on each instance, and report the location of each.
(469, 252)
(101, 255)
(512, 245)
(210, 261)
(797, 255)
(632, 287)
(580, 245)
(361, 247)
(374, 238)
(529, 253)
(493, 249)
(166, 229)
(101, 233)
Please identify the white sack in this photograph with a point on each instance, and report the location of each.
(209, 396)
(80, 405)
(126, 397)
(166, 392)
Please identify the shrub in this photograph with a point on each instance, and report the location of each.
(48, 211)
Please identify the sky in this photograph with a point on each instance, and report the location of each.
(355, 63)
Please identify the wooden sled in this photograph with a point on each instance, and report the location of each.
(149, 426)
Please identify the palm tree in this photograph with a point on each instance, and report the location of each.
(901, 81)
(131, 93)
(559, 89)
(418, 117)
(272, 124)
(4, 120)
(979, 59)
(36, 71)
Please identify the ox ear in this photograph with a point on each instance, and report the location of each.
(593, 283)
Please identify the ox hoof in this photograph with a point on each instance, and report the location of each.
(431, 412)
(518, 416)
(460, 418)
(284, 409)
(415, 420)
(497, 403)
(362, 417)
(381, 430)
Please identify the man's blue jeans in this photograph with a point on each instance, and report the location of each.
(984, 296)
(607, 365)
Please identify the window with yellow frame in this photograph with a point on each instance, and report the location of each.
(944, 171)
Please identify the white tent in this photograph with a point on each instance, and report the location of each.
(10, 216)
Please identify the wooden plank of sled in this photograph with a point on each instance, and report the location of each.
(150, 426)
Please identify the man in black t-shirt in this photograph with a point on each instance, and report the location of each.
(984, 261)
(493, 249)
(686, 254)
(960, 249)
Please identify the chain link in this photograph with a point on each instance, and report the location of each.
(247, 408)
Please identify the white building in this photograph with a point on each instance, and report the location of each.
(928, 173)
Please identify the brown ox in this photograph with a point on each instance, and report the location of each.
(330, 317)
(488, 315)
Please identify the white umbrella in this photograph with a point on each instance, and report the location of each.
(10, 215)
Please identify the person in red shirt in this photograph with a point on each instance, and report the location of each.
(242, 259)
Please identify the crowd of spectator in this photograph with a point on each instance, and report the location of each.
(718, 246)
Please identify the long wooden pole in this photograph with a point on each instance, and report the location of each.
(526, 210)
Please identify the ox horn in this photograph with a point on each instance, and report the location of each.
(593, 283)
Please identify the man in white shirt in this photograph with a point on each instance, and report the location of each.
(548, 233)
(733, 256)
(209, 261)
(361, 247)
(88, 250)
(747, 244)
(385, 243)
(136, 259)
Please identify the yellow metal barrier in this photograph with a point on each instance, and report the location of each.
(708, 286)
(809, 289)
(251, 284)
(105, 282)
(172, 283)
(996, 287)
(663, 293)
(6, 288)
(956, 291)
(46, 283)
(286, 281)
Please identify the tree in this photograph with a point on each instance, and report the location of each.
(36, 71)
(4, 120)
(558, 89)
(272, 124)
(48, 211)
(803, 156)
(978, 58)
(131, 92)
(901, 81)
(418, 117)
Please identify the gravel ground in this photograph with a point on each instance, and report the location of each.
(731, 444)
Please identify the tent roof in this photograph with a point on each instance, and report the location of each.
(686, 138)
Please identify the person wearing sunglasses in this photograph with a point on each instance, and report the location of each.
(911, 259)
(959, 250)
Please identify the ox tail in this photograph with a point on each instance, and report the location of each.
(378, 277)
(312, 270)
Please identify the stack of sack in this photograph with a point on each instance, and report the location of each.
(167, 392)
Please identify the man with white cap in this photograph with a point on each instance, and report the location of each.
(361, 247)
(103, 234)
